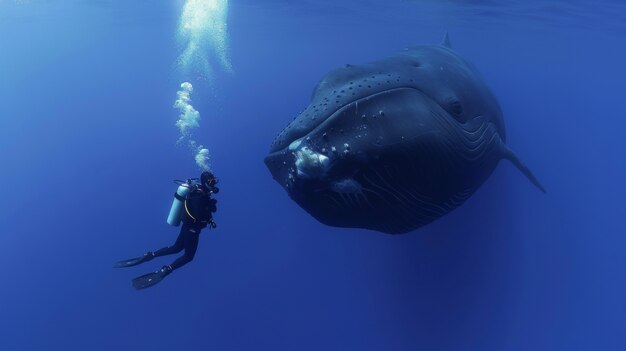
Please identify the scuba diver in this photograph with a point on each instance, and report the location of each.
(194, 207)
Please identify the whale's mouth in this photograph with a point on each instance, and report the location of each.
(329, 155)
(289, 136)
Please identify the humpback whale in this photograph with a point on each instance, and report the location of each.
(394, 144)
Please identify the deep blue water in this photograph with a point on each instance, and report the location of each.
(87, 155)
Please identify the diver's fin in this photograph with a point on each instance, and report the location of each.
(147, 280)
(510, 155)
(446, 41)
(150, 279)
(134, 261)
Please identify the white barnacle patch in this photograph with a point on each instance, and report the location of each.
(346, 149)
(294, 145)
(347, 186)
(310, 164)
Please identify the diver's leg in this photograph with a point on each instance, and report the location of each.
(148, 256)
(178, 246)
(192, 236)
(187, 239)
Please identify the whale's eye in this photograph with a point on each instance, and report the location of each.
(456, 108)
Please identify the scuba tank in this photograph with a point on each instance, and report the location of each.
(184, 188)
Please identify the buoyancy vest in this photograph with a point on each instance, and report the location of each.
(198, 207)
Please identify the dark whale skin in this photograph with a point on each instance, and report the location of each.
(394, 144)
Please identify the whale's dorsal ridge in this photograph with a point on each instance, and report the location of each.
(446, 41)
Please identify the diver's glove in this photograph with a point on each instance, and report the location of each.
(215, 189)
(212, 224)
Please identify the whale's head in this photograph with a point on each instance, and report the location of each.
(381, 139)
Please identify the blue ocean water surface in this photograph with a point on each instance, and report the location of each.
(88, 151)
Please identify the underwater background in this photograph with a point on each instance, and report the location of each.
(88, 152)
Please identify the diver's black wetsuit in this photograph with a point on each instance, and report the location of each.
(199, 208)
(188, 240)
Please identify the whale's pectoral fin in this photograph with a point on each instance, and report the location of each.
(511, 156)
